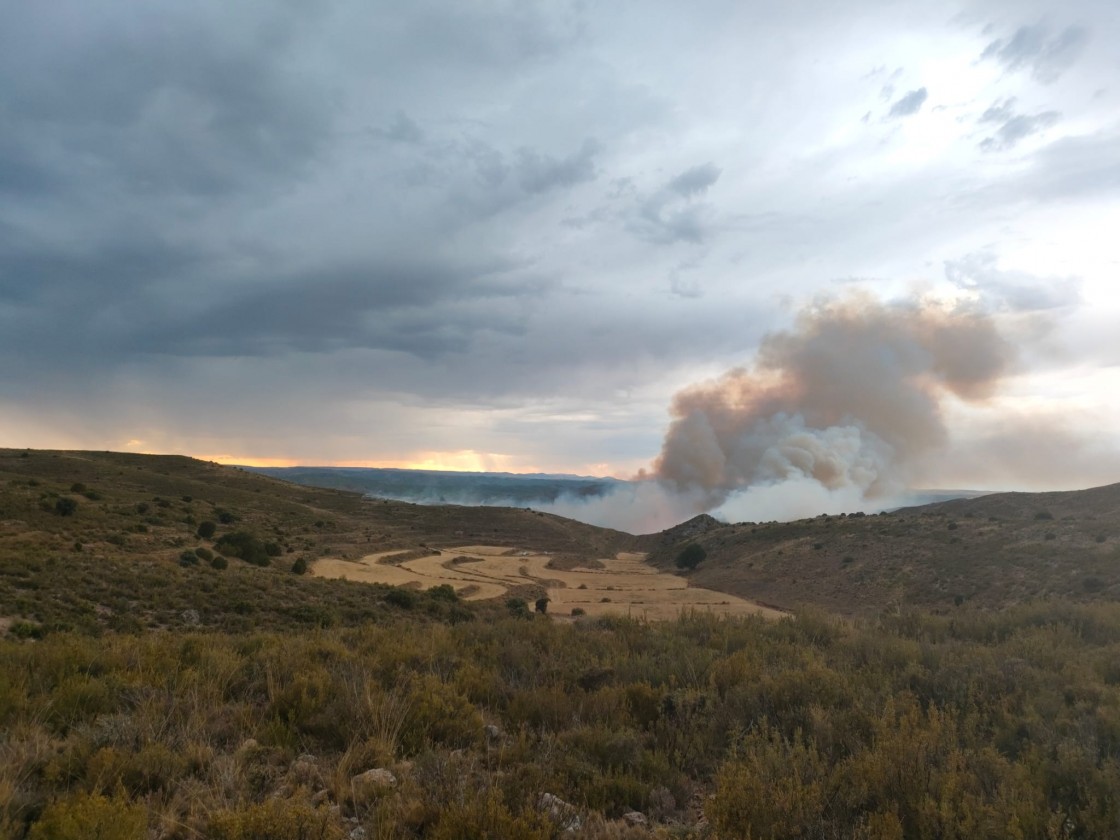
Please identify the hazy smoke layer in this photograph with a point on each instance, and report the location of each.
(847, 401)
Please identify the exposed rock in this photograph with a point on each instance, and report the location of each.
(358, 833)
(372, 783)
(635, 819)
(493, 734)
(190, 617)
(320, 797)
(560, 812)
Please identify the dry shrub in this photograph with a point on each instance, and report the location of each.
(486, 817)
(274, 819)
(83, 816)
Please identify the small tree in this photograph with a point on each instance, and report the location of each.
(300, 566)
(444, 592)
(65, 506)
(542, 605)
(691, 556)
(206, 529)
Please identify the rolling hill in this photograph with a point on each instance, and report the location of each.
(990, 551)
(137, 515)
(149, 691)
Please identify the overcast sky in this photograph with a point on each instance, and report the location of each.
(503, 234)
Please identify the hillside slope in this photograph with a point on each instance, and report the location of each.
(992, 551)
(97, 539)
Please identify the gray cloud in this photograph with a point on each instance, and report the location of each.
(1014, 291)
(154, 112)
(539, 173)
(206, 211)
(403, 129)
(674, 212)
(1034, 48)
(1013, 127)
(695, 181)
(909, 104)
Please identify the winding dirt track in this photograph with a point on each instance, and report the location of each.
(626, 584)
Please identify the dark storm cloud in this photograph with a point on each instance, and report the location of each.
(154, 105)
(1034, 48)
(150, 143)
(428, 310)
(210, 208)
(909, 104)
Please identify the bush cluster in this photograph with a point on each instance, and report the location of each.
(913, 725)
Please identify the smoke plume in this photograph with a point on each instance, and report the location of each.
(848, 401)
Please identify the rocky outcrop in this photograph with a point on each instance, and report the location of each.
(562, 814)
(371, 784)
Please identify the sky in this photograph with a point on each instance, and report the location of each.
(502, 236)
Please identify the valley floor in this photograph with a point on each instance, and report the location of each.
(623, 584)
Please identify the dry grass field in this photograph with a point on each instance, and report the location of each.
(623, 584)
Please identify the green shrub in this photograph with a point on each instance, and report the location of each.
(691, 556)
(219, 562)
(65, 506)
(245, 546)
(85, 816)
(274, 819)
(406, 599)
(206, 529)
(518, 608)
(444, 592)
(487, 816)
(299, 567)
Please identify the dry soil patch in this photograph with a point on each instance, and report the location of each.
(625, 584)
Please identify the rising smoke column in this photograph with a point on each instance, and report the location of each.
(850, 399)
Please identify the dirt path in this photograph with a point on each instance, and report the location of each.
(626, 584)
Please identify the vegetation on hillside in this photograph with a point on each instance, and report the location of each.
(916, 726)
(149, 691)
(991, 551)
